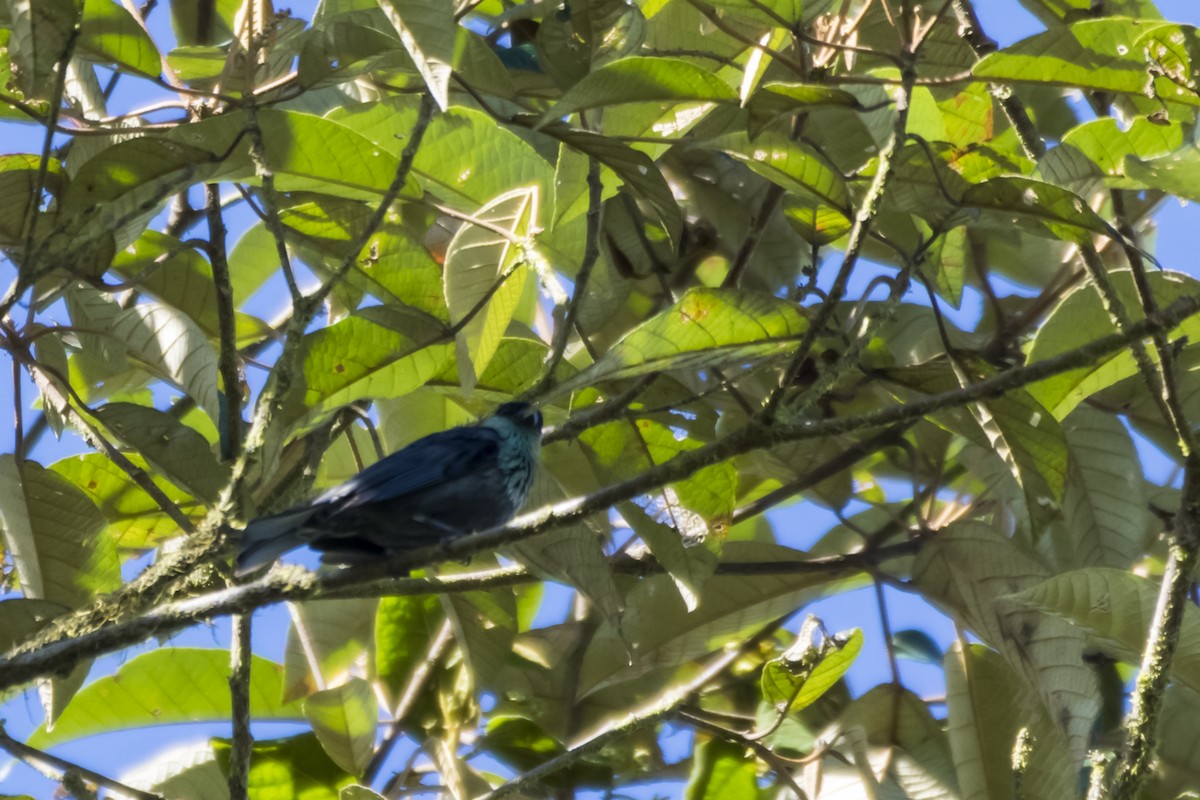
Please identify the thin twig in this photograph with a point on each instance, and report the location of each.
(227, 356)
(859, 233)
(239, 700)
(258, 154)
(412, 690)
(28, 226)
(52, 384)
(772, 199)
(591, 254)
(1172, 402)
(842, 460)
(33, 756)
(652, 711)
(18, 414)
(781, 768)
(886, 626)
(981, 44)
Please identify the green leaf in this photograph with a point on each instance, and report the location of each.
(457, 145)
(662, 634)
(485, 276)
(578, 37)
(165, 340)
(163, 687)
(635, 168)
(485, 627)
(1015, 427)
(357, 792)
(777, 98)
(174, 449)
(180, 277)
(917, 646)
(625, 448)
(793, 681)
(289, 769)
(721, 771)
(1098, 149)
(1176, 755)
(1115, 608)
(358, 358)
(426, 29)
(135, 521)
(204, 23)
(344, 720)
(1081, 318)
(253, 259)
(640, 79)
(111, 35)
(792, 165)
(571, 555)
(403, 628)
(690, 561)
(1174, 173)
(42, 36)
(1174, 52)
(54, 536)
(524, 745)
(328, 638)
(988, 705)
(1040, 208)
(1097, 54)
(18, 180)
(22, 617)
(198, 64)
(1105, 505)
(891, 716)
(706, 328)
(967, 569)
(306, 153)
(120, 188)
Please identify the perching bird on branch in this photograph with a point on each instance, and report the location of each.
(445, 485)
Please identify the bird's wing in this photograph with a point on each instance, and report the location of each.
(426, 462)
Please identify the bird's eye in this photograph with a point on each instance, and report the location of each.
(537, 419)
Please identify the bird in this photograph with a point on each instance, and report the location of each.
(440, 487)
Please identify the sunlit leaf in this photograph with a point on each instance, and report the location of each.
(426, 29)
(163, 687)
(1080, 317)
(706, 328)
(344, 720)
(54, 535)
(485, 275)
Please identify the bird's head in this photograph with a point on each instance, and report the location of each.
(523, 416)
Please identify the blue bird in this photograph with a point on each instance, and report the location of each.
(443, 486)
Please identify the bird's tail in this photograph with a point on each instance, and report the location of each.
(267, 538)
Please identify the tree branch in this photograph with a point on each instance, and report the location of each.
(239, 700)
(93, 631)
(227, 357)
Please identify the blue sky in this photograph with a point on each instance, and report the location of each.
(1004, 20)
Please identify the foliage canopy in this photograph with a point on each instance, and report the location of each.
(762, 263)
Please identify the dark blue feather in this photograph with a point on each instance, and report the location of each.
(445, 485)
